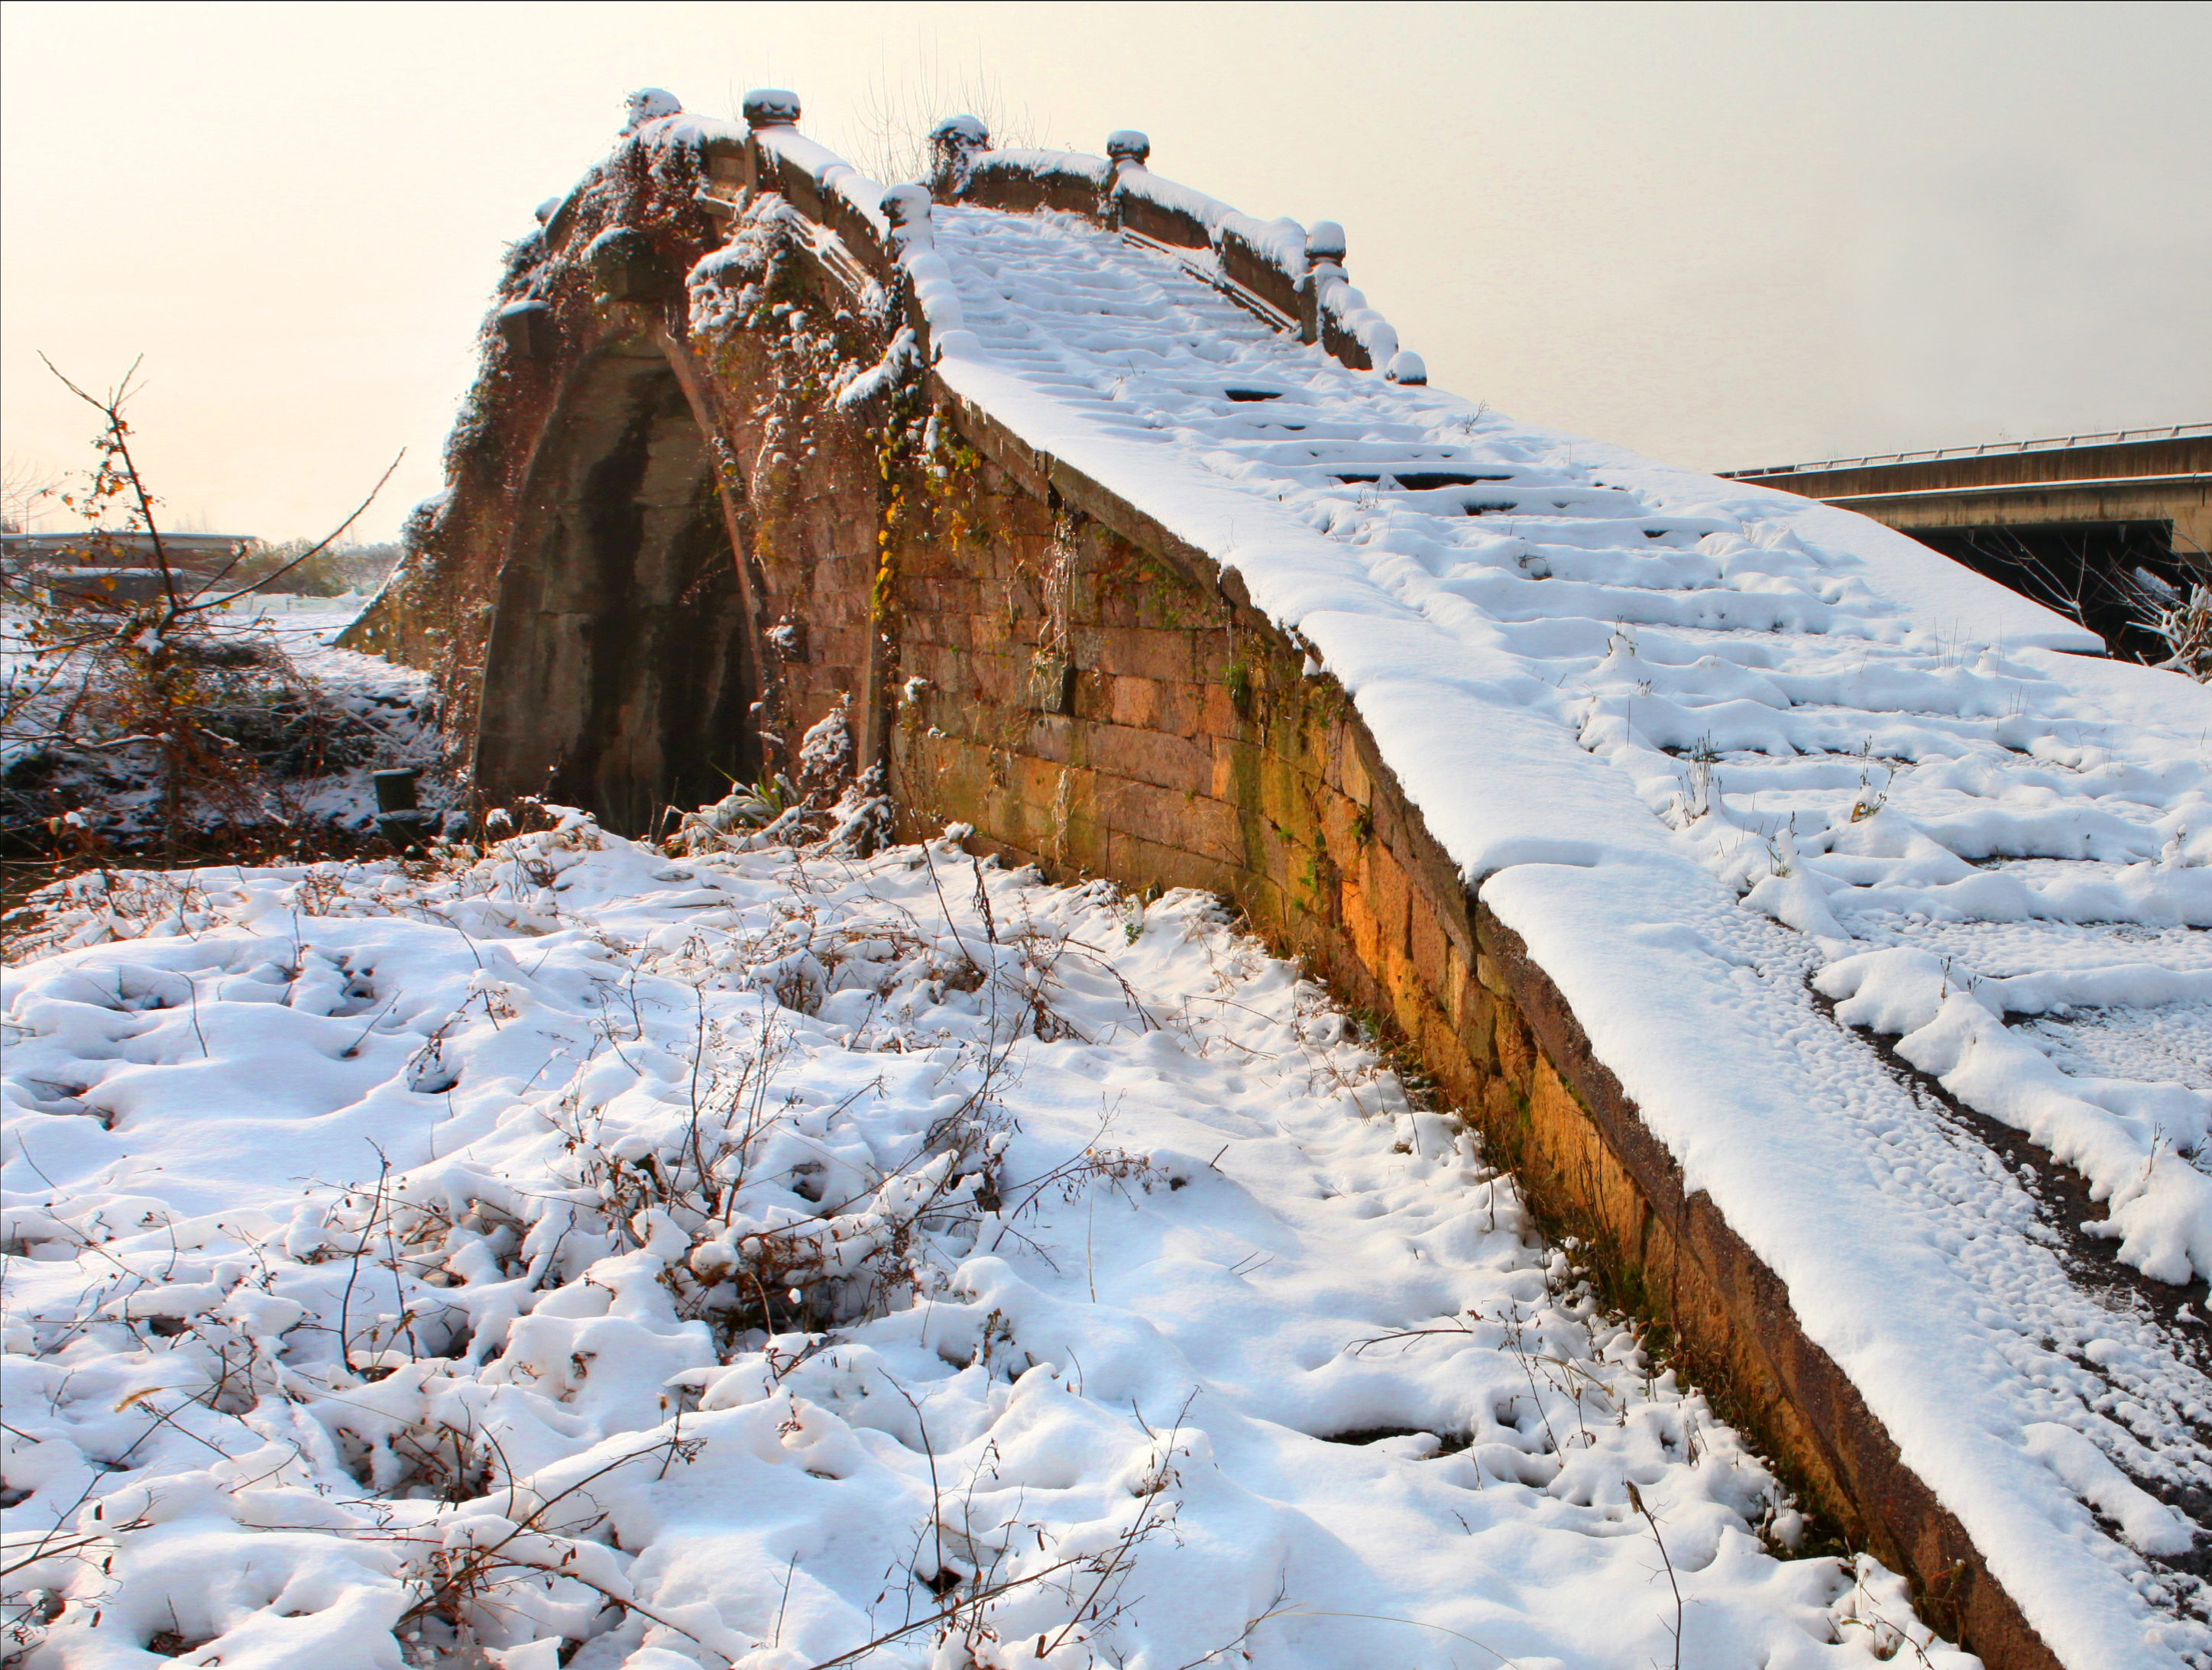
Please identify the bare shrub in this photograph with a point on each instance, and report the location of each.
(145, 695)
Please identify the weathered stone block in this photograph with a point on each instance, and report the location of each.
(1432, 955)
(1492, 977)
(1133, 701)
(1360, 921)
(998, 681)
(1168, 817)
(1387, 879)
(1147, 756)
(1146, 653)
(1516, 1049)
(1052, 736)
(1220, 716)
(1140, 863)
(1343, 826)
(1352, 767)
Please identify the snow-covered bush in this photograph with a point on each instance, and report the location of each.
(2185, 625)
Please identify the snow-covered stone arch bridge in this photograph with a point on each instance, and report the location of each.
(1820, 928)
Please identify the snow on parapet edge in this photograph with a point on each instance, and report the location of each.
(832, 176)
(1292, 259)
(1040, 167)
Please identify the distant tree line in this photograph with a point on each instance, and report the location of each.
(326, 574)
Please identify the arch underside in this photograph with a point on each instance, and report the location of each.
(617, 676)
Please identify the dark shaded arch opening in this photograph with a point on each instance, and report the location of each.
(617, 676)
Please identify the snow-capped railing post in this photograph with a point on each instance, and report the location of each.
(907, 208)
(932, 306)
(1324, 263)
(771, 107)
(1127, 151)
(819, 185)
(766, 107)
(1337, 316)
(954, 145)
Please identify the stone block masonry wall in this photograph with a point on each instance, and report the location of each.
(1091, 708)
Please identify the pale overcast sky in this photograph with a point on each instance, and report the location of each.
(1724, 234)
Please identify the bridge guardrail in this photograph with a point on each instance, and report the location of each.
(1984, 449)
(1022, 181)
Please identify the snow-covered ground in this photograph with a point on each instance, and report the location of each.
(745, 1259)
(1756, 779)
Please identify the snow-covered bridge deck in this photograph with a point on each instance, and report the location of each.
(1624, 695)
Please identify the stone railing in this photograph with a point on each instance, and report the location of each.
(1291, 277)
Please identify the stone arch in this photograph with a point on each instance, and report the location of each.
(621, 670)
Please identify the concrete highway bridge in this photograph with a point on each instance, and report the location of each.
(1642, 806)
(2069, 521)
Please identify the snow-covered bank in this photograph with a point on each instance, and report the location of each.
(744, 1259)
